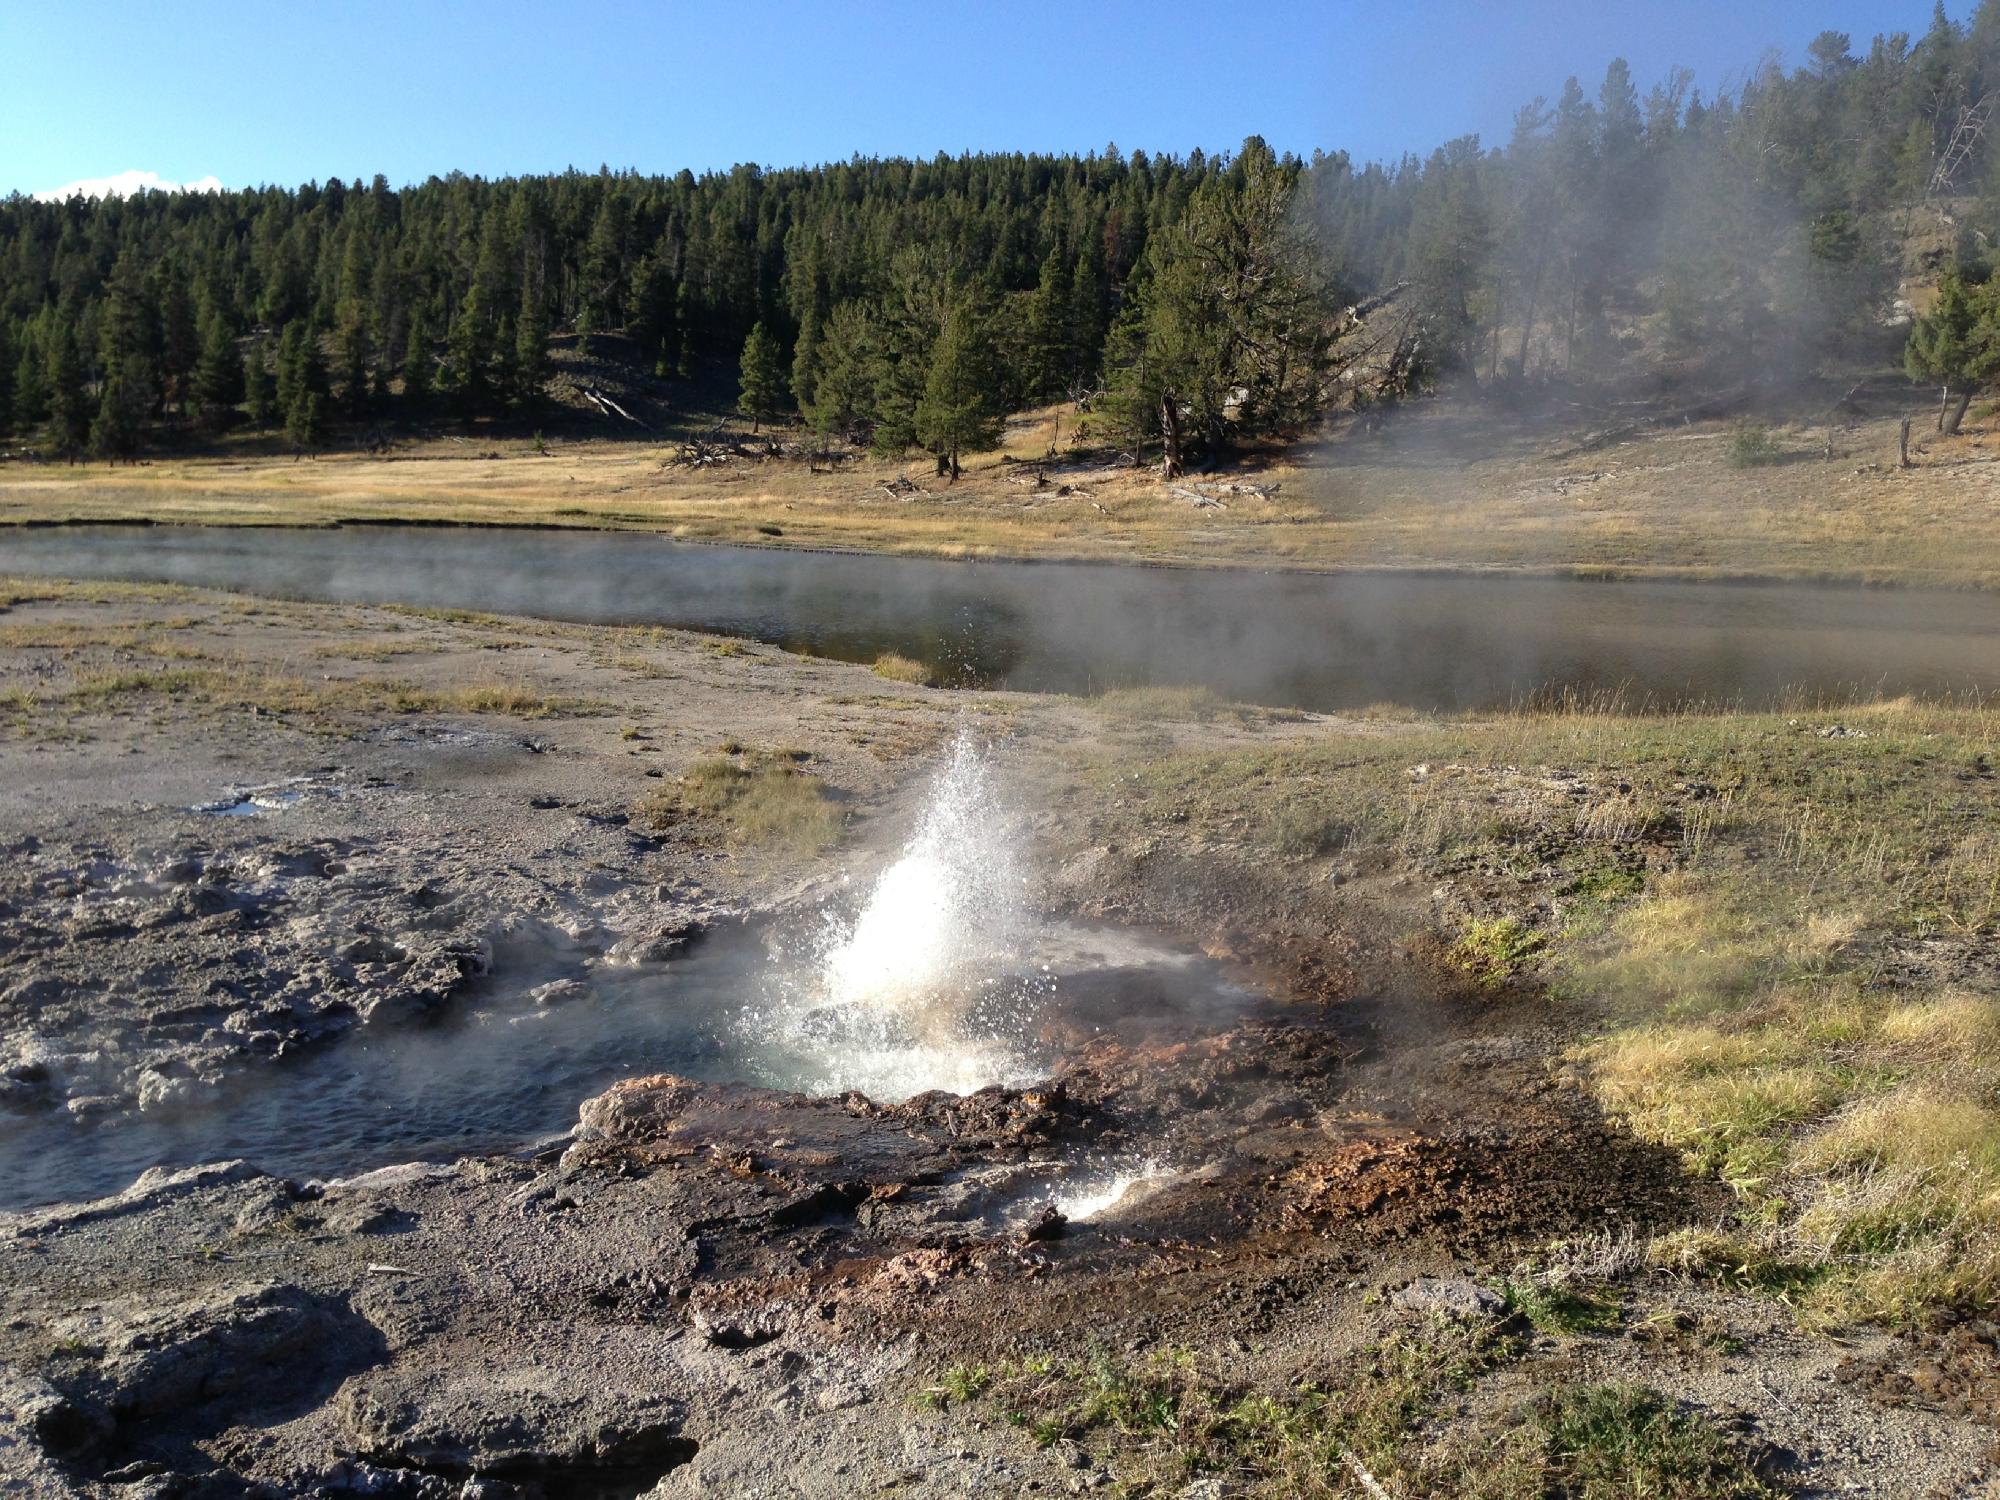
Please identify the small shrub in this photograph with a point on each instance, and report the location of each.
(1751, 444)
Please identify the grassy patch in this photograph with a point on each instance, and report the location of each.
(1723, 898)
(1563, 1311)
(1164, 1420)
(899, 668)
(371, 650)
(280, 695)
(1167, 1418)
(1198, 705)
(1609, 1442)
(1493, 950)
(760, 798)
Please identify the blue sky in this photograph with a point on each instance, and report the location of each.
(289, 90)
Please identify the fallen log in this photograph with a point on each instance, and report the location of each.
(610, 408)
(1591, 442)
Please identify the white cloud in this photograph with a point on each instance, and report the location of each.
(125, 184)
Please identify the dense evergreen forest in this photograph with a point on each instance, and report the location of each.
(1192, 302)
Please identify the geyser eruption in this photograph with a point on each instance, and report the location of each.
(947, 915)
(929, 985)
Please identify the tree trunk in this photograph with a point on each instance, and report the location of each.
(1171, 465)
(1957, 413)
(1528, 319)
(954, 466)
(1569, 337)
(1944, 400)
(1903, 444)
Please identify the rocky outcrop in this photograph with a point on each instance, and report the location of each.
(520, 1421)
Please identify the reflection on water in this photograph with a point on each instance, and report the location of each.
(1308, 641)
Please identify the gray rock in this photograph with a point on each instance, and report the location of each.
(520, 1420)
(1449, 1296)
(246, 1342)
(38, 1425)
(558, 992)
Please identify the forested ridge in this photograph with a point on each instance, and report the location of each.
(1192, 303)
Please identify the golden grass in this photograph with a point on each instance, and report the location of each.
(1857, 1125)
(899, 668)
(1447, 487)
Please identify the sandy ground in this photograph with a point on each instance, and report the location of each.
(719, 1289)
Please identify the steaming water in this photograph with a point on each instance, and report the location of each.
(1090, 1195)
(1307, 641)
(935, 982)
(934, 975)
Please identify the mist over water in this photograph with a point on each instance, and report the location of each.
(1300, 640)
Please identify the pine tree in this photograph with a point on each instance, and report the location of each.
(683, 333)
(1049, 354)
(260, 402)
(356, 348)
(305, 423)
(121, 409)
(417, 364)
(68, 424)
(6, 379)
(1230, 324)
(531, 345)
(763, 377)
(31, 386)
(128, 325)
(469, 353)
(650, 320)
(958, 411)
(843, 398)
(1955, 346)
(806, 358)
(291, 355)
(180, 337)
(1089, 311)
(604, 262)
(306, 410)
(218, 373)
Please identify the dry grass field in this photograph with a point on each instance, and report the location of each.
(1443, 486)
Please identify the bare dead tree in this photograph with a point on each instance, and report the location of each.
(1964, 140)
